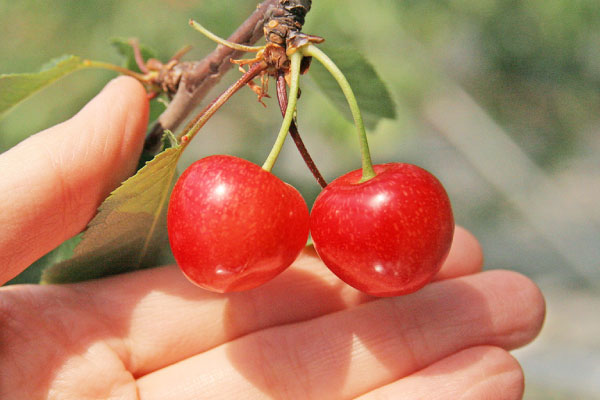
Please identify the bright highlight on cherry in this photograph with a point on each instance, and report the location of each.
(234, 226)
(387, 236)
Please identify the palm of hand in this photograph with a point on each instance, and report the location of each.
(151, 334)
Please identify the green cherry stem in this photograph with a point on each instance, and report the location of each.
(311, 50)
(296, 59)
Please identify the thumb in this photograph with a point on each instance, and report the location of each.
(53, 182)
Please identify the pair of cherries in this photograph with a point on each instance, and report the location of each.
(234, 226)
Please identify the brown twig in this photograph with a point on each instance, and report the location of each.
(197, 78)
(295, 134)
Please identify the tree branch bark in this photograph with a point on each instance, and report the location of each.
(199, 77)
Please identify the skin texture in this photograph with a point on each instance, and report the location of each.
(234, 226)
(58, 178)
(387, 236)
(153, 335)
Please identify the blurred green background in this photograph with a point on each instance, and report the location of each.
(498, 98)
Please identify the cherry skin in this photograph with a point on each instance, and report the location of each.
(387, 236)
(234, 226)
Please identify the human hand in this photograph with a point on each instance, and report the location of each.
(152, 334)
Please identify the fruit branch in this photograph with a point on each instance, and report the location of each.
(311, 50)
(296, 60)
(201, 76)
(282, 98)
(199, 121)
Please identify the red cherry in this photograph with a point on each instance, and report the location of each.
(387, 236)
(234, 226)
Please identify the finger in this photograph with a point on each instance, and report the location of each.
(306, 290)
(142, 321)
(124, 309)
(193, 320)
(131, 304)
(465, 257)
(53, 182)
(348, 353)
(483, 372)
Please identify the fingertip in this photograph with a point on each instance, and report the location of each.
(470, 247)
(111, 130)
(123, 95)
(522, 293)
(480, 372)
(465, 257)
(56, 179)
(509, 373)
(494, 370)
(132, 95)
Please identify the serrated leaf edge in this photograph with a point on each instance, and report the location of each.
(163, 199)
(179, 150)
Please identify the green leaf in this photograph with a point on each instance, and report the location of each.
(129, 232)
(15, 88)
(124, 48)
(371, 92)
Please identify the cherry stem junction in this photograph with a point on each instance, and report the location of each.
(311, 50)
(295, 55)
(295, 60)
